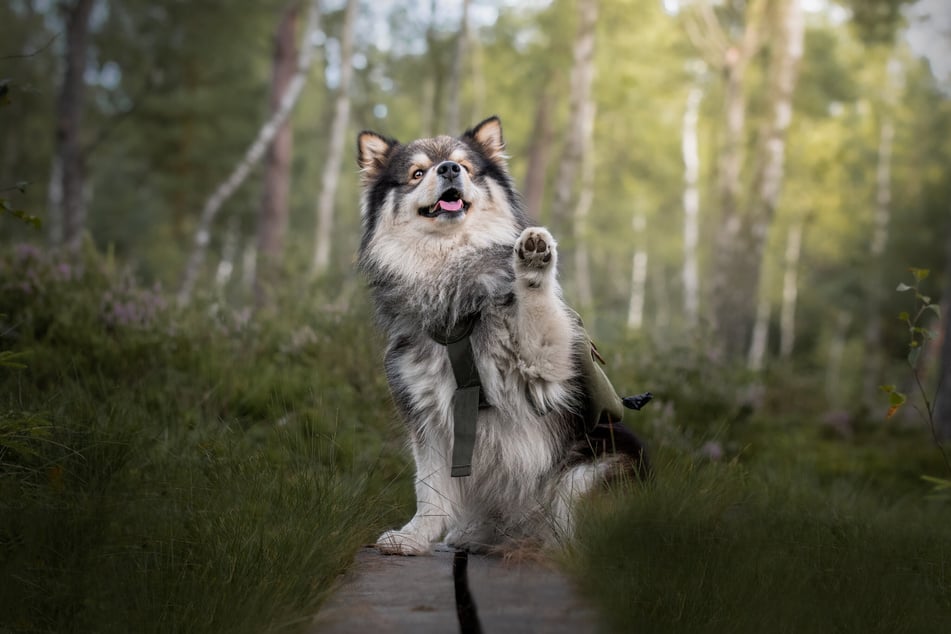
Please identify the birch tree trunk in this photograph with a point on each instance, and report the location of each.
(787, 318)
(538, 156)
(583, 210)
(691, 201)
(254, 153)
(730, 294)
(229, 252)
(431, 88)
(784, 71)
(789, 35)
(874, 292)
(581, 79)
(455, 76)
(273, 215)
(477, 79)
(69, 114)
(338, 131)
(635, 312)
(756, 358)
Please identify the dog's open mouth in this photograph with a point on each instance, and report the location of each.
(450, 203)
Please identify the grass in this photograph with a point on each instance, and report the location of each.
(179, 471)
(202, 471)
(714, 547)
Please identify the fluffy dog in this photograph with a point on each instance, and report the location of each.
(446, 241)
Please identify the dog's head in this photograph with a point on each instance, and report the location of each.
(437, 193)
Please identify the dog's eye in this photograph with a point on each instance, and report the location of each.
(418, 174)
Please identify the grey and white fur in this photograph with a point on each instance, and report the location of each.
(445, 237)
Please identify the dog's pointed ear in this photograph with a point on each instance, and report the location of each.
(488, 136)
(373, 152)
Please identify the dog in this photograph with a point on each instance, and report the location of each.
(446, 242)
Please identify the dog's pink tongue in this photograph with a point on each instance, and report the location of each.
(454, 205)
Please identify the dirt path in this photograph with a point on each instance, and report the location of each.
(383, 595)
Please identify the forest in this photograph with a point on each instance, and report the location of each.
(752, 199)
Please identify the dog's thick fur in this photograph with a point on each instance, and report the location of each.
(431, 264)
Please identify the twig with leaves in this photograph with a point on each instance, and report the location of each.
(918, 336)
(23, 216)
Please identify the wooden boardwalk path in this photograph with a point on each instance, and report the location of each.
(391, 594)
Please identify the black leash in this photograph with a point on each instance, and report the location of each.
(465, 605)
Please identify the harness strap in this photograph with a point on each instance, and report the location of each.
(468, 397)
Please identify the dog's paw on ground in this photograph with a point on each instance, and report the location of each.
(400, 543)
(473, 541)
(535, 248)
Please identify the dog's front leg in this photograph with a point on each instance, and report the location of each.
(435, 500)
(543, 327)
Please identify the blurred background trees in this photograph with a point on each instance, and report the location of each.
(747, 178)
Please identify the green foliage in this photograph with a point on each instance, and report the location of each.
(877, 21)
(941, 487)
(918, 336)
(168, 471)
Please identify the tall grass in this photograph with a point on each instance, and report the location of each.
(178, 471)
(206, 470)
(725, 548)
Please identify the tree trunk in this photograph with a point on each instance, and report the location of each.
(943, 397)
(455, 76)
(229, 252)
(477, 79)
(760, 339)
(249, 266)
(741, 243)
(254, 153)
(533, 193)
(730, 300)
(69, 114)
(661, 298)
(691, 201)
(582, 77)
(582, 211)
(334, 158)
(635, 311)
(836, 353)
(789, 33)
(874, 292)
(783, 73)
(54, 200)
(787, 318)
(432, 80)
(273, 215)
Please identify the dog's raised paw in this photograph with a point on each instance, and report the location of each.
(535, 248)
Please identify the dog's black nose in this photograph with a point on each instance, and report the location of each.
(449, 170)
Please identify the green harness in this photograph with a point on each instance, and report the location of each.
(468, 398)
(601, 402)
